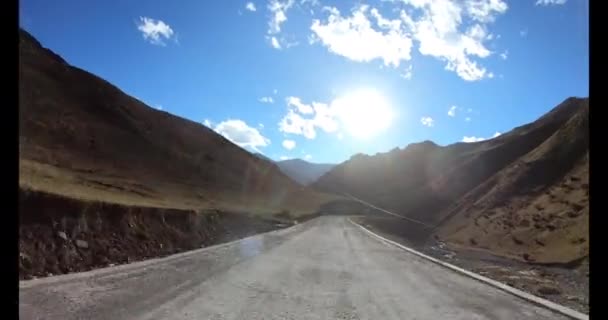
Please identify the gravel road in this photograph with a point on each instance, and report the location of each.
(326, 268)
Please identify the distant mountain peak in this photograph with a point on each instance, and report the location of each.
(302, 171)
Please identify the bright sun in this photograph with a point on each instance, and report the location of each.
(364, 113)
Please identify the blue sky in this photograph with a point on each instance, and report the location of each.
(323, 80)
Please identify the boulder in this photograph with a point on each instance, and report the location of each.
(82, 244)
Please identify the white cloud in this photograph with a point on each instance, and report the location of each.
(438, 30)
(154, 30)
(159, 107)
(274, 42)
(241, 134)
(472, 139)
(266, 100)
(407, 73)
(296, 124)
(523, 33)
(325, 116)
(290, 44)
(449, 30)
(343, 112)
(467, 119)
(443, 40)
(427, 121)
(275, 91)
(278, 11)
(207, 123)
(296, 103)
(261, 125)
(250, 6)
(313, 3)
(356, 39)
(452, 111)
(485, 10)
(340, 136)
(549, 2)
(477, 139)
(285, 158)
(304, 119)
(307, 157)
(289, 144)
(504, 55)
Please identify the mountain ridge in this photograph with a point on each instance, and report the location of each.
(81, 136)
(426, 182)
(302, 171)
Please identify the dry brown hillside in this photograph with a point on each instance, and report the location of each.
(82, 137)
(537, 208)
(524, 192)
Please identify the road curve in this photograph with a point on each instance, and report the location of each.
(326, 268)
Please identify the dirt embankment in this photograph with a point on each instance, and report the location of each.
(61, 235)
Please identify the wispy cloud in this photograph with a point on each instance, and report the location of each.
(407, 73)
(274, 42)
(452, 111)
(266, 100)
(296, 103)
(261, 125)
(467, 119)
(313, 3)
(241, 134)
(307, 157)
(207, 123)
(523, 33)
(504, 55)
(154, 30)
(250, 6)
(477, 139)
(427, 121)
(549, 2)
(289, 144)
(278, 16)
(285, 158)
(472, 139)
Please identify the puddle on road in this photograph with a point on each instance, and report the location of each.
(251, 247)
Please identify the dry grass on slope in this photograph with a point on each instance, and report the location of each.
(82, 137)
(535, 210)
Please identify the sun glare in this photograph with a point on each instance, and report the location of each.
(364, 113)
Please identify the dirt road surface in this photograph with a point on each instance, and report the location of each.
(326, 268)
